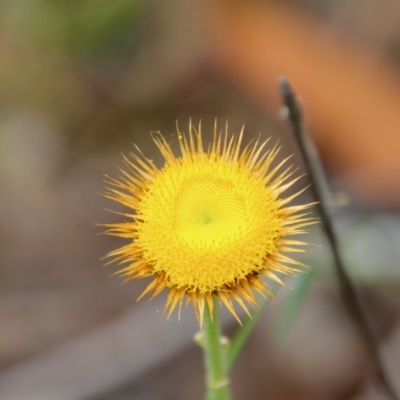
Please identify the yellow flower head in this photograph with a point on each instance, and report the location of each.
(210, 222)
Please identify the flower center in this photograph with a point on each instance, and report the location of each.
(209, 213)
(221, 223)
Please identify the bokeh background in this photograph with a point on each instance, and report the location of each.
(82, 80)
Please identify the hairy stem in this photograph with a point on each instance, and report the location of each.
(216, 369)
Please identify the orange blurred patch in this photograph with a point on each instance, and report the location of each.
(352, 97)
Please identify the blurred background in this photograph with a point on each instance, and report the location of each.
(82, 80)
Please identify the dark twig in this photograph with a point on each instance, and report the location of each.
(348, 292)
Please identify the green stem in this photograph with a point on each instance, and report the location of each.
(217, 380)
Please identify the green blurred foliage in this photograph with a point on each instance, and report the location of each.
(84, 28)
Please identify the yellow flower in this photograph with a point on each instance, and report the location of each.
(210, 222)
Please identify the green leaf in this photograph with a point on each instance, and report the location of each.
(292, 307)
